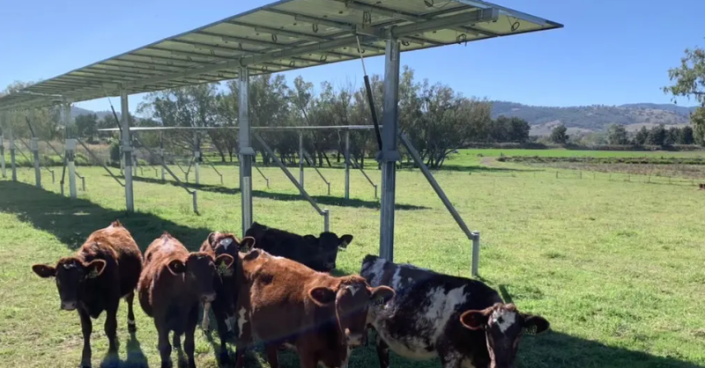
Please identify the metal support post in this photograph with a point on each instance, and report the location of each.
(13, 162)
(347, 164)
(197, 157)
(161, 154)
(301, 159)
(246, 150)
(389, 155)
(475, 254)
(2, 157)
(134, 163)
(34, 147)
(70, 157)
(127, 151)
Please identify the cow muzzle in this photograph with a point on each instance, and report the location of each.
(207, 298)
(68, 306)
(354, 339)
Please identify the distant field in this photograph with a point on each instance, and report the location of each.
(615, 266)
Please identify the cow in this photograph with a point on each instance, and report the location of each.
(216, 244)
(282, 302)
(105, 269)
(320, 253)
(172, 285)
(464, 322)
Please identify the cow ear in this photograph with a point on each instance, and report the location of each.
(381, 295)
(345, 240)
(247, 243)
(44, 271)
(534, 325)
(94, 268)
(176, 267)
(211, 239)
(310, 239)
(473, 319)
(322, 296)
(223, 263)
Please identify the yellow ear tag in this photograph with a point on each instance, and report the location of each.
(222, 269)
(93, 274)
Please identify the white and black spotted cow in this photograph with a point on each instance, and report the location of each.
(462, 321)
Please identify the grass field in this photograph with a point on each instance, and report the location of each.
(616, 267)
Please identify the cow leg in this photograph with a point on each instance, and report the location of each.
(239, 357)
(220, 317)
(111, 329)
(450, 358)
(131, 325)
(87, 329)
(189, 343)
(164, 347)
(382, 352)
(272, 355)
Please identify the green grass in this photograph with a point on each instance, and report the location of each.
(616, 267)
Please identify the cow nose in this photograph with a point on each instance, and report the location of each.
(207, 298)
(68, 306)
(354, 339)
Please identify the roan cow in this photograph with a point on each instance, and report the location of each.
(171, 287)
(320, 253)
(462, 321)
(283, 302)
(105, 269)
(216, 244)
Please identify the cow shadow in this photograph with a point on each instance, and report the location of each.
(72, 220)
(321, 199)
(135, 357)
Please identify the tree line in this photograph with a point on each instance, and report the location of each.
(437, 119)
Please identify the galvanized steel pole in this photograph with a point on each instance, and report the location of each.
(301, 159)
(127, 151)
(2, 157)
(389, 155)
(161, 154)
(347, 164)
(197, 157)
(34, 147)
(246, 151)
(13, 162)
(70, 150)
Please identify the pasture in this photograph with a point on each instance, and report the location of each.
(616, 267)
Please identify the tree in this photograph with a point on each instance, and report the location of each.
(617, 135)
(672, 136)
(558, 135)
(689, 77)
(641, 136)
(689, 81)
(697, 120)
(657, 136)
(686, 135)
(87, 125)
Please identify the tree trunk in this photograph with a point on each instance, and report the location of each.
(327, 160)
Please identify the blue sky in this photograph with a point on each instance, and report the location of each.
(609, 52)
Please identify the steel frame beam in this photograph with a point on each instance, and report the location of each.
(247, 153)
(127, 150)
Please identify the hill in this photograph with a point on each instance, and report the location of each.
(76, 111)
(595, 117)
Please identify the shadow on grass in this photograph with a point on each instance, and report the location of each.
(135, 356)
(323, 200)
(72, 220)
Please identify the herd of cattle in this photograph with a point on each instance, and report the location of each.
(275, 287)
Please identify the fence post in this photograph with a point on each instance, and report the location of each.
(475, 253)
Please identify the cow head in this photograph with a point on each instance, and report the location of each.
(71, 274)
(352, 299)
(201, 270)
(504, 326)
(326, 248)
(229, 243)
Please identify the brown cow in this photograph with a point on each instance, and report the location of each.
(282, 302)
(105, 269)
(172, 284)
(216, 244)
